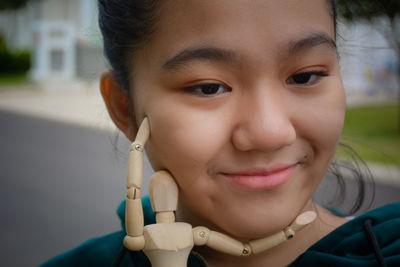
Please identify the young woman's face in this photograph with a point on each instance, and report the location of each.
(246, 107)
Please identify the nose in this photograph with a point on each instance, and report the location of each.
(264, 122)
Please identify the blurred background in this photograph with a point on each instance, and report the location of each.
(62, 163)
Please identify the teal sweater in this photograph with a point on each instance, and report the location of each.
(348, 245)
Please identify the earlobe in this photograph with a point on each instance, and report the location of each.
(117, 103)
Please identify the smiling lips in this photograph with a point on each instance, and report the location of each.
(262, 179)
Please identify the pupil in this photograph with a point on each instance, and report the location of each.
(210, 89)
(301, 78)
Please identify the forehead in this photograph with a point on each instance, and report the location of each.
(247, 25)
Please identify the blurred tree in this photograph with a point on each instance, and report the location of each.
(12, 4)
(388, 11)
(9, 60)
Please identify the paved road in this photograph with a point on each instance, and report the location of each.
(60, 185)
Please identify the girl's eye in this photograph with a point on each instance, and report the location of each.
(209, 89)
(306, 78)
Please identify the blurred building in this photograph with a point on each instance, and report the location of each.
(62, 34)
(66, 43)
(368, 63)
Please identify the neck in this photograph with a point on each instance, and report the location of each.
(283, 254)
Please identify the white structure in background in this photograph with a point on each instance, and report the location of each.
(368, 64)
(54, 53)
(66, 42)
(63, 36)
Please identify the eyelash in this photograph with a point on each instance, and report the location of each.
(213, 89)
(318, 75)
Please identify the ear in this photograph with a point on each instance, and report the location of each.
(117, 103)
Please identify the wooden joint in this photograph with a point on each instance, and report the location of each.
(133, 193)
(200, 235)
(165, 217)
(137, 146)
(289, 232)
(134, 243)
(246, 250)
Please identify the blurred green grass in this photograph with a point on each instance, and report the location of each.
(374, 133)
(13, 79)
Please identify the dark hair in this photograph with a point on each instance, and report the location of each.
(350, 174)
(127, 25)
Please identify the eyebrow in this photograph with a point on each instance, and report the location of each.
(227, 56)
(313, 40)
(200, 54)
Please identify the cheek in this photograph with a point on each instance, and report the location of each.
(322, 120)
(183, 140)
